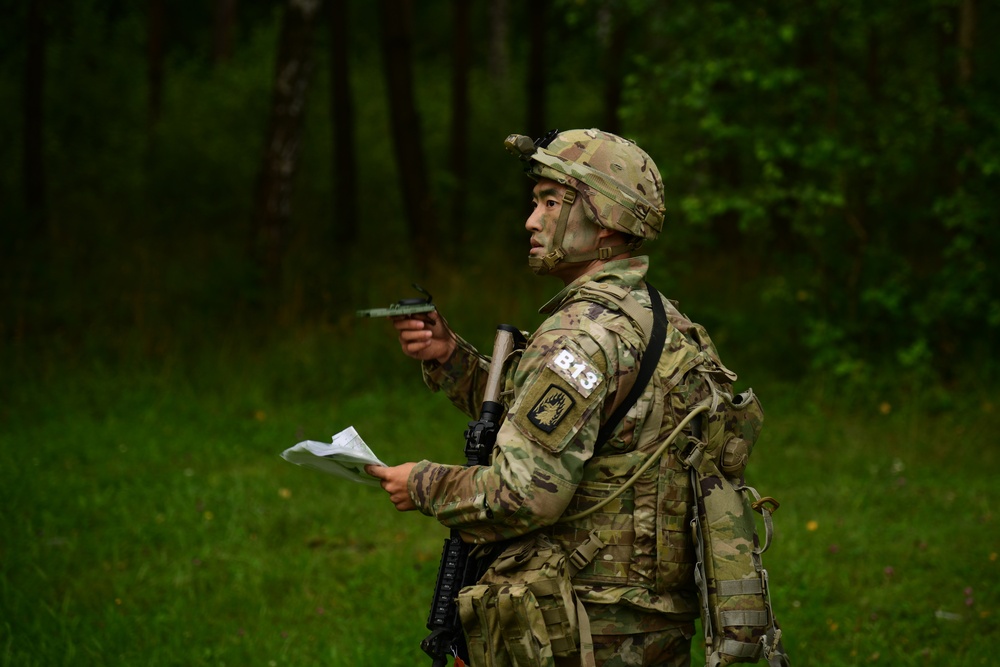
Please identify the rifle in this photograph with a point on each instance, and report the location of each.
(459, 566)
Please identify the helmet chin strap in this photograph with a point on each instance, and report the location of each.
(543, 265)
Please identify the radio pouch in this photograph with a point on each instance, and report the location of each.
(732, 583)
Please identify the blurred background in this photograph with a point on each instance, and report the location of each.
(831, 168)
(196, 196)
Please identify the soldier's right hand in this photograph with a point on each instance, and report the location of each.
(425, 337)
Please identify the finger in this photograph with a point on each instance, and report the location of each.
(414, 336)
(376, 471)
(416, 348)
(405, 505)
(430, 319)
(408, 324)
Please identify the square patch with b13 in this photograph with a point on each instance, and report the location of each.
(575, 367)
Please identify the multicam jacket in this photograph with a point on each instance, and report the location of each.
(577, 366)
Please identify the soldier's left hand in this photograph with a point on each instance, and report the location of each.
(393, 480)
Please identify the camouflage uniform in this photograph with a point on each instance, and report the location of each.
(577, 366)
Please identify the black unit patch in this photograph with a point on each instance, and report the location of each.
(551, 408)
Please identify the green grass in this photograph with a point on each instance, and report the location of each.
(887, 542)
(147, 519)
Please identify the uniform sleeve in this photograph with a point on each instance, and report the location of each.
(462, 378)
(561, 384)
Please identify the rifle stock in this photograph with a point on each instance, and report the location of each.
(459, 567)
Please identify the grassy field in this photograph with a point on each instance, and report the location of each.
(147, 519)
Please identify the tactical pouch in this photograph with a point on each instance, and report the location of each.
(522, 625)
(480, 620)
(736, 608)
(523, 611)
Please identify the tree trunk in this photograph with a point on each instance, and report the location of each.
(873, 74)
(225, 24)
(499, 59)
(537, 29)
(33, 163)
(407, 136)
(272, 205)
(459, 115)
(619, 28)
(345, 180)
(966, 43)
(155, 37)
(966, 40)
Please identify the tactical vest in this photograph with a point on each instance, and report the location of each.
(646, 528)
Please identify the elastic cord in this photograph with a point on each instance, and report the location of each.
(645, 466)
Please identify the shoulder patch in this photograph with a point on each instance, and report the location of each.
(571, 364)
(551, 408)
(551, 405)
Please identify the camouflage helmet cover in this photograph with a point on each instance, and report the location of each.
(617, 180)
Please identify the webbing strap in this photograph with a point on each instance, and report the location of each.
(730, 587)
(739, 649)
(746, 617)
(606, 252)
(558, 253)
(561, 644)
(587, 657)
(650, 359)
(700, 576)
(577, 560)
(641, 316)
(766, 513)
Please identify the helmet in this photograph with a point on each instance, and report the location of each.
(617, 181)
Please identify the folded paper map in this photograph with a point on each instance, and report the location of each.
(346, 456)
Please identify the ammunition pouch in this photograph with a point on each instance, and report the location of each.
(523, 612)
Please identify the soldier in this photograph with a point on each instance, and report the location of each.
(596, 198)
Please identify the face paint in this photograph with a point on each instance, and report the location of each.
(578, 235)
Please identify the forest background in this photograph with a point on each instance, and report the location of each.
(197, 196)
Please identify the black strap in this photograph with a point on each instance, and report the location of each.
(650, 358)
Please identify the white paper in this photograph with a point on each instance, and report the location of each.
(346, 456)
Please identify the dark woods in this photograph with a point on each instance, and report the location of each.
(831, 167)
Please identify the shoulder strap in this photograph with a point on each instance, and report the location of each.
(650, 358)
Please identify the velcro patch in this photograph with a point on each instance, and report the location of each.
(573, 366)
(551, 408)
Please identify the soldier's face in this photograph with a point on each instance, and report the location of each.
(546, 201)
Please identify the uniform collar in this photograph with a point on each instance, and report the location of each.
(625, 272)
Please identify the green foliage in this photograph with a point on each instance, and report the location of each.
(866, 171)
